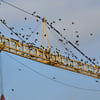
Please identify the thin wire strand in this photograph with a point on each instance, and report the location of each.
(12, 31)
(54, 80)
(16, 7)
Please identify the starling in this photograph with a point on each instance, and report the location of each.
(12, 89)
(61, 40)
(19, 69)
(37, 20)
(19, 33)
(77, 44)
(22, 29)
(37, 33)
(34, 13)
(77, 36)
(94, 59)
(81, 59)
(76, 41)
(76, 31)
(49, 28)
(35, 40)
(66, 49)
(26, 38)
(54, 78)
(45, 35)
(59, 19)
(53, 21)
(72, 22)
(25, 18)
(64, 38)
(11, 33)
(97, 81)
(23, 36)
(91, 34)
(39, 17)
(29, 28)
(51, 46)
(64, 29)
(32, 32)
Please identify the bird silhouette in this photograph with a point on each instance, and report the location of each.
(29, 28)
(64, 29)
(73, 23)
(11, 33)
(76, 31)
(97, 81)
(36, 40)
(76, 41)
(32, 32)
(77, 36)
(91, 34)
(37, 20)
(23, 36)
(19, 33)
(45, 35)
(26, 38)
(37, 33)
(34, 13)
(25, 18)
(22, 29)
(59, 19)
(12, 89)
(49, 28)
(60, 40)
(53, 21)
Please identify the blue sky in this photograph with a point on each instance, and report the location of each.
(28, 85)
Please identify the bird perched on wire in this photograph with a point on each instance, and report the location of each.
(34, 13)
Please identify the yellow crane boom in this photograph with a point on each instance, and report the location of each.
(45, 56)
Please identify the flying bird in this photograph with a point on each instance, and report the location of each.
(76, 31)
(91, 34)
(53, 21)
(25, 18)
(22, 29)
(12, 89)
(37, 33)
(64, 29)
(11, 33)
(97, 81)
(59, 19)
(73, 23)
(77, 36)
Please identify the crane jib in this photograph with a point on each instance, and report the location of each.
(45, 56)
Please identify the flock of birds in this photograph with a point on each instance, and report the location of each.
(26, 37)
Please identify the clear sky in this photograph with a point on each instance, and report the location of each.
(29, 85)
